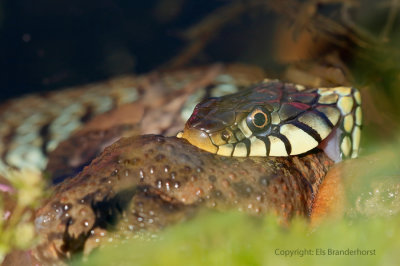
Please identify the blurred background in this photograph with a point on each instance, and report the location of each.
(46, 44)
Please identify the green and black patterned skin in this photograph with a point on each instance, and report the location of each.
(277, 119)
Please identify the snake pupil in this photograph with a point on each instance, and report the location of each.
(259, 119)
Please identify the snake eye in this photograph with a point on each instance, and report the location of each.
(258, 119)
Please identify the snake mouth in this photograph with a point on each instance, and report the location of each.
(199, 139)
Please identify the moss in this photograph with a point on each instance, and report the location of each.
(236, 239)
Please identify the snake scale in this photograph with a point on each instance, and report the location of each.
(278, 119)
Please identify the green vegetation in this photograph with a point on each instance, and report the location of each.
(234, 239)
(17, 202)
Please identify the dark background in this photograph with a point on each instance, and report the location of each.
(47, 44)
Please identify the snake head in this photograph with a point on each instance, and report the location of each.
(276, 119)
(209, 125)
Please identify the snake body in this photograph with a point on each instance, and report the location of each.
(34, 126)
(277, 119)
